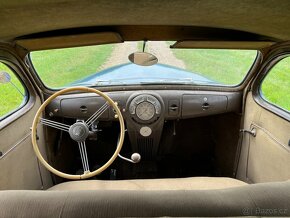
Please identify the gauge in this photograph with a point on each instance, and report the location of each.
(145, 110)
(139, 99)
(132, 109)
(145, 131)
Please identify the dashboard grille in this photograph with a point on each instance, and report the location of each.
(145, 148)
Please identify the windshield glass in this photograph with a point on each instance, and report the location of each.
(104, 65)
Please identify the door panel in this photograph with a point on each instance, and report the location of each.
(18, 164)
(266, 156)
(19, 167)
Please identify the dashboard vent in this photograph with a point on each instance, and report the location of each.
(145, 148)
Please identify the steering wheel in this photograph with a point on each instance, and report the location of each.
(79, 131)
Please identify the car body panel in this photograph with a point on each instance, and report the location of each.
(122, 74)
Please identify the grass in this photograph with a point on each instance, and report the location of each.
(227, 67)
(140, 46)
(61, 67)
(276, 86)
(56, 68)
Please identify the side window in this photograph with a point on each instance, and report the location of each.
(12, 92)
(276, 85)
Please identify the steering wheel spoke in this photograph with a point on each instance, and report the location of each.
(54, 124)
(97, 114)
(84, 156)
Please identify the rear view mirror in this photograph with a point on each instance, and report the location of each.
(4, 77)
(143, 58)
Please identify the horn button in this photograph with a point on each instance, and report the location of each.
(79, 131)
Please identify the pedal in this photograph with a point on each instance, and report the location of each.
(113, 174)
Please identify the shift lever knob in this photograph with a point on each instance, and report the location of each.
(135, 157)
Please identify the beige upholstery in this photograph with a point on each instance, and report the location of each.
(265, 157)
(270, 199)
(18, 166)
(194, 183)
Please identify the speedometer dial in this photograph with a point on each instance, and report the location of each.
(145, 111)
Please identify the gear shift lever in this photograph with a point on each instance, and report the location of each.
(135, 158)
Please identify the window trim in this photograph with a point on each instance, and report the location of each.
(26, 93)
(11, 61)
(238, 87)
(257, 94)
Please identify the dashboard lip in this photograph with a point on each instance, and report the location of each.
(148, 88)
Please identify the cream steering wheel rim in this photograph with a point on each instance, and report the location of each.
(86, 174)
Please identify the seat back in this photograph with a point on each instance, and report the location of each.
(271, 199)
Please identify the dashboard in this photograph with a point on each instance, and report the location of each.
(146, 111)
(171, 104)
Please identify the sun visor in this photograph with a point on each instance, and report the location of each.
(256, 45)
(69, 41)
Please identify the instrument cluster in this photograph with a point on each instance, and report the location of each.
(145, 108)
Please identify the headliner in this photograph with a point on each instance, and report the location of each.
(266, 18)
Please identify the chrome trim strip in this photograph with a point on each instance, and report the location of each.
(15, 145)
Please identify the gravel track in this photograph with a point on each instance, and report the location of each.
(164, 54)
(160, 49)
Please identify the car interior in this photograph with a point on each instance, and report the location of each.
(143, 134)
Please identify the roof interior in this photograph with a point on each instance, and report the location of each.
(150, 19)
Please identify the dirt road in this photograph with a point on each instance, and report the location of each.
(164, 54)
(160, 49)
(120, 54)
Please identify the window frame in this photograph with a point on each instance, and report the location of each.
(26, 92)
(257, 92)
(218, 87)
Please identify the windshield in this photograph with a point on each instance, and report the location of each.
(104, 65)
